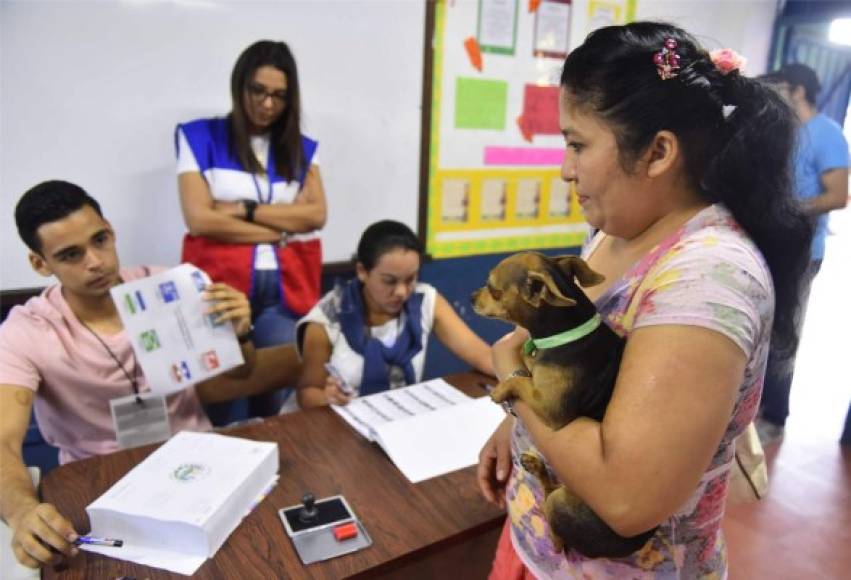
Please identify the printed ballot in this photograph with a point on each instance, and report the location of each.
(175, 342)
(176, 508)
(426, 429)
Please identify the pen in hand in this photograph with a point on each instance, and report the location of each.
(95, 541)
(344, 386)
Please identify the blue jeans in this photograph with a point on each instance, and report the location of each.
(774, 406)
(273, 324)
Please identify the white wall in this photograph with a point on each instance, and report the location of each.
(90, 92)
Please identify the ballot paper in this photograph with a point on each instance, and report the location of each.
(176, 344)
(176, 508)
(427, 429)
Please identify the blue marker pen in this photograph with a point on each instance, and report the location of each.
(95, 541)
(344, 386)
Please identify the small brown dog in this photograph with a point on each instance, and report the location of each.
(573, 359)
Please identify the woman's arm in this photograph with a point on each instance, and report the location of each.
(672, 402)
(457, 336)
(315, 387)
(203, 219)
(307, 213)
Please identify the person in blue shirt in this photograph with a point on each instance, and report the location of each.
(821, 184)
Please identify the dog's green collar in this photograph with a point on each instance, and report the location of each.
(533, 344)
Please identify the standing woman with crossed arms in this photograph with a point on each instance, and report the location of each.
(253, 200)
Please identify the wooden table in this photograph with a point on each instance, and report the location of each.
(437, 528)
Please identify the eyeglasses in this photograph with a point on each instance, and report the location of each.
(258, 94)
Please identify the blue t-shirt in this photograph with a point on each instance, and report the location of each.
(821, 147)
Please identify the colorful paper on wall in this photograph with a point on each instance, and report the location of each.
(552, 28)
(523, 156)
(455, 200)
(497, 26)
(540, 110)
(480, 104)
(608, 12)
(525, 132)
(559, 198)
(494, 199)
(528, 198)
(473, 53)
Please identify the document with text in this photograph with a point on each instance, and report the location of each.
(427, 429)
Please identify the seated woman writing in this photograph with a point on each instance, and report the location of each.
(373, 330)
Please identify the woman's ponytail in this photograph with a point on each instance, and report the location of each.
(751, 174)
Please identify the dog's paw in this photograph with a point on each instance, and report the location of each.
(502, 392)
(558, 543)
(533, 464)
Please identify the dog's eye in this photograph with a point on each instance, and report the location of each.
(497, 294)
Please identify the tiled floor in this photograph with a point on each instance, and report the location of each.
(802, 530)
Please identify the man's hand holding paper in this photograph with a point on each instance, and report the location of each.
(229, 304)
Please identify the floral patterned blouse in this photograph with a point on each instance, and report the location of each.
(706, 274)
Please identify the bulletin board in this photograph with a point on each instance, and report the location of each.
(495, 147)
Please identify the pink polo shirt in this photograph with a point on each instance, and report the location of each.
(44, 347)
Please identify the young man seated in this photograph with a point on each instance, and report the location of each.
(65, 354)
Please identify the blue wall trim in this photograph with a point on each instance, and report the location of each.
(457, 279)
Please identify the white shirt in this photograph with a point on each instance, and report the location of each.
(348, 362)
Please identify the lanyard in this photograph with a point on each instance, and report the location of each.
(257, 189)
(132, 379)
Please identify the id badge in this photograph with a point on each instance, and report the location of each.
(138, 423)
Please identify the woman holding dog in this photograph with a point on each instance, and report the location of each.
(682, 164)
(373, 330)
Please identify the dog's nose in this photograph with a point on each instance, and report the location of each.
(474, 295)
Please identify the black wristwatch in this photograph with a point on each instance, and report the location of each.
(248, 336)
(250, 205)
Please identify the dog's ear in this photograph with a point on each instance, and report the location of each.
(540, 287)
(576, 266)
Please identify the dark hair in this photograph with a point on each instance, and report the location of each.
(382, 237)
(741, 161)
(285, 132)
(796, 75)
(47, 202)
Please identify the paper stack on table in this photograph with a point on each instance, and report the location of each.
(176, 508)
(176, 344)
(427, 429)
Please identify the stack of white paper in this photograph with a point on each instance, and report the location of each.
(176, 508)
(427, 429)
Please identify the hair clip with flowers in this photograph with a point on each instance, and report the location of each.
(667, 61)
(727, 60)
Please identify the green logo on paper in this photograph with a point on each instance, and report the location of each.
(190, 472)
(150, 340)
